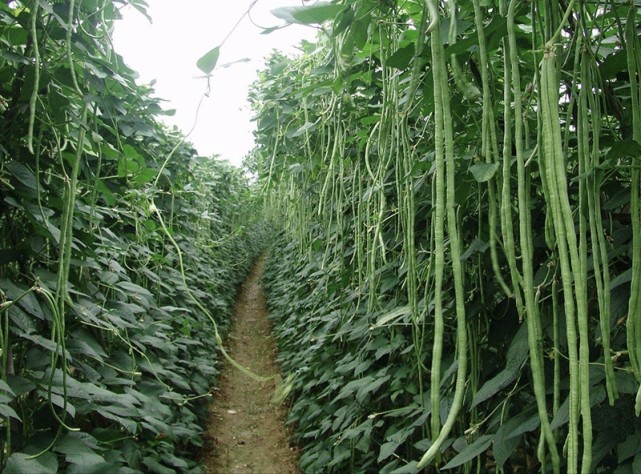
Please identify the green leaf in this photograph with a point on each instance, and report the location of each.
(470, 452)
(19, 463)
(101, 468)
(4, 386)
(387, 449)
(20, 385)
(6, 411)
(483, 172)
(133, 288)
(614, 64)
(508, 436)
(22, 174)
(82, 342)
(407, 469)
(392, 316)
(127, 167)
(629, 447)
(207, 63)
(503, 446)
(308, 15)
(308, 126)
(370, 388)
(636, 464)
(476, 245)
(145, 176)
(155, 467)
(80, 449)
(401, 58)
(624, 148)
(516, 355)
(597, 394)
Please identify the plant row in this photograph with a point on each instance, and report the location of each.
(458, 285)
(120, 253)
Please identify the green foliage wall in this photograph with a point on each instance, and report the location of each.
(459, 185)
(115, 240)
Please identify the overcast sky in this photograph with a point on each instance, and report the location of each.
(181, 32)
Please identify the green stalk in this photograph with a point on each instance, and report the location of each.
(438, 251)
(36, 74)
(590, 194)
(633, 52)
(525, 223)
(443, 127)
(489, 147)
(575, 299)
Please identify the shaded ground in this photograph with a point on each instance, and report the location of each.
(247, 433)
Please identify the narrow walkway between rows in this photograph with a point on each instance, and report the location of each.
(247, 433)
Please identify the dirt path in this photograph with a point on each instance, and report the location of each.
(247, 433)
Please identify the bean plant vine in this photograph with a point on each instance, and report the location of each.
(120, 253)
(457, 184)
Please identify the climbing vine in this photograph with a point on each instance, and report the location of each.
(120, 251)
(457, 185)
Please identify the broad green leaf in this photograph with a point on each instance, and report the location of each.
(503, 446)
(476, 245)
(24, 297)
(20, 385)
(470, 452)
(310, 14)
(509, 434)
(133, 288)
(636, 464)
(6, 411)
(80, 449)
(16, 36)
(100, 468)
(624, 148)
(392, 316)
(308, 126)
(4, 386)
(82, 342)
(620, 279)
(19, 463)
(175, 461)
(48, 344)
(494, 385)
(409, 468)
(127, 167)
(371, 387)
(145, 176)
(129, 424)
(597, 395)
(614, 64)
(401, 58)
(131, 153)
(207, 63)
(22, 174)
(387, 449)
(516, 355)
(59, 401)
(629, 447)
(155, 467)
(483, 172)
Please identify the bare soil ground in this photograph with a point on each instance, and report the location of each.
(247, 433)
